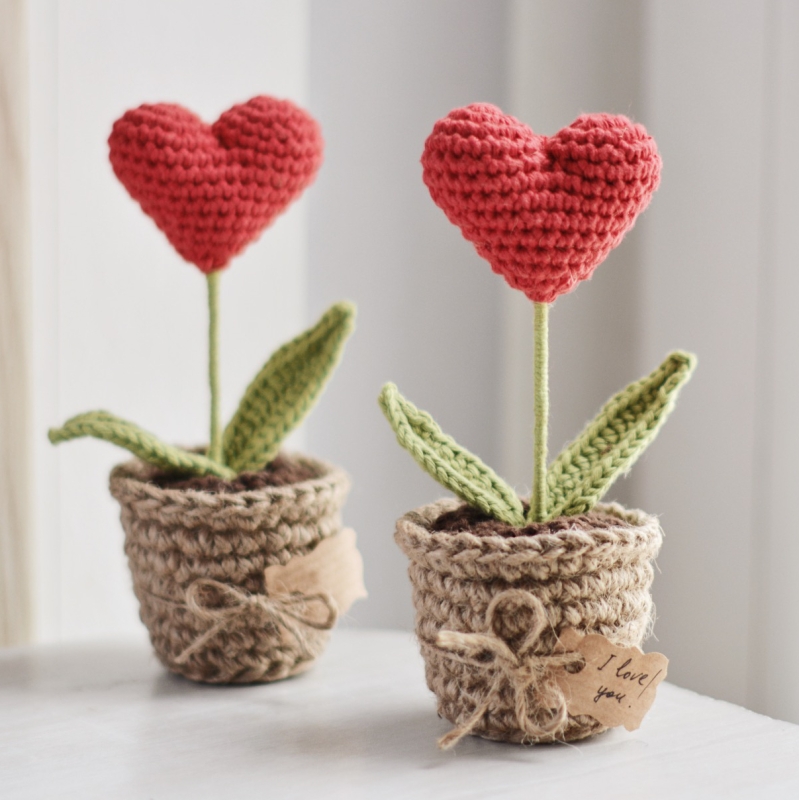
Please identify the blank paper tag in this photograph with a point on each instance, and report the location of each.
(334, 566)
(617, 684)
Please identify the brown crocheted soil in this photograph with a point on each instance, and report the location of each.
(477, 522)
(280, 472)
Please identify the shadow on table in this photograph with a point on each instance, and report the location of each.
(407, 736)
(170, 684)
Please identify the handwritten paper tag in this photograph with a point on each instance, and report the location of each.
(617, 684)
(334, 566)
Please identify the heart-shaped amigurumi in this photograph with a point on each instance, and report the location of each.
(212, 189)
(543, 210)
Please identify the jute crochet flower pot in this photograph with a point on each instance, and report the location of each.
(198, 561)
(504, 588)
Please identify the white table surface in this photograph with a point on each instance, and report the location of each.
(107, 721)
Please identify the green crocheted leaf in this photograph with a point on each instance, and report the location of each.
(285, 390)
(447, 462)
(610, 445)
(149, 448)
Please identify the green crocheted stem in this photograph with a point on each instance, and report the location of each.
(215, 450)
(610, 445)
(538, 503)
(110, 428)
(455, 468)
(285, 390)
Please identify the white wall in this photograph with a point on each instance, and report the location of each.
(774, 614)
(120, 319)
(429, 308)
(702, 276)
(725, 99)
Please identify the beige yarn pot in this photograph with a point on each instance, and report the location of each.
(175, 537)
(595, 581)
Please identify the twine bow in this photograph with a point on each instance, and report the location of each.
(522, 668)
(292, 612)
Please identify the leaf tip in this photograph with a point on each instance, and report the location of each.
(681, 365)
(388, 393)
(345, 312)
(684, 359)
(55, 435)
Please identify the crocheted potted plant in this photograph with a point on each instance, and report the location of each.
(239, 560)
(511, 596)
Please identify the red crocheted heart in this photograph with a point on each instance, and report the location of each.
(544, 211)
(212, 189)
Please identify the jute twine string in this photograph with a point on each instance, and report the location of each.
(595, 581)
(290, 612)
(524, 670)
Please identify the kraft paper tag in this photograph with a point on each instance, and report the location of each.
(617, 684)
(334, 566)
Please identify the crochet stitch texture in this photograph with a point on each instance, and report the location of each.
(174, 538)
(212, 189)
(594, 581)
(544, 211)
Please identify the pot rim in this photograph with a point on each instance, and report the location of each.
(135, 475)
(464, 553)
(425, 515)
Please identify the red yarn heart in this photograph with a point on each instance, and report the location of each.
(544, 211)
(212, 189)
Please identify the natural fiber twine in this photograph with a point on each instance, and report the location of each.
(198, 559)
(596, 582)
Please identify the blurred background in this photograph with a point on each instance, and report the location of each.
(97, 311)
